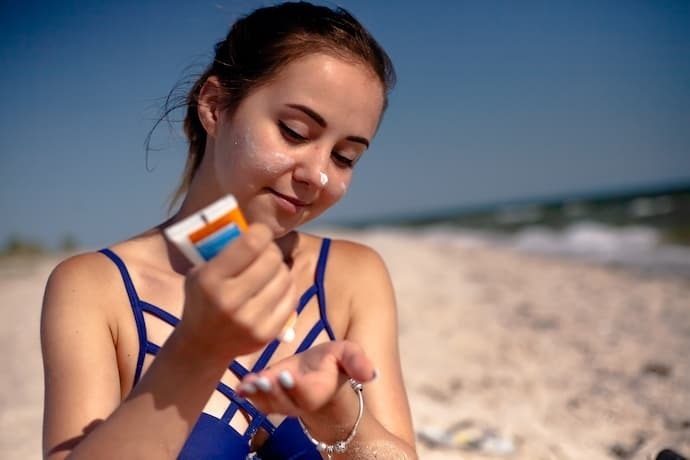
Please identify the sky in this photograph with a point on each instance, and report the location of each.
(496, 101)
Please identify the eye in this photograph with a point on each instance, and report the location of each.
(290, 133)
(342, 161)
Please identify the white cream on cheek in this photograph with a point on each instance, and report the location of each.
(340, 187)
(263, 156)
(272, 163)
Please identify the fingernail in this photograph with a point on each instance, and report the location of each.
(286, 380)
(247, 388)
(263, 384)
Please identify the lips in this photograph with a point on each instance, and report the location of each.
(288, 202)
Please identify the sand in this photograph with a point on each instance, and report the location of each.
(558, 358)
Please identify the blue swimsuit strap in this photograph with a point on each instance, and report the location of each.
(322, 323)
(258, 419)
(136, 310)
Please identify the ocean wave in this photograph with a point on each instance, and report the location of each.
(631, 246)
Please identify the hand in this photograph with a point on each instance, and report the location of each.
(310, 381)
(240, 300)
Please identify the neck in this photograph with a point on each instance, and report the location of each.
(202, 191)
(288, 245)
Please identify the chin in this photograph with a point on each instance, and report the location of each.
(278, 228)
(279, 232)
(280, 225)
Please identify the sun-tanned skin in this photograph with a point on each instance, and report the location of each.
(314, 120)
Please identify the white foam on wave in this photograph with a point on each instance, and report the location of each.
(631, 246)
(588, 239)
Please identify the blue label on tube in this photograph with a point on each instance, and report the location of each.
(210, 246)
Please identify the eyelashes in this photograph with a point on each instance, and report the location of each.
(343, 160)
(293, 136)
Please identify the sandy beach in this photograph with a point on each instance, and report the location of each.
(527, 357)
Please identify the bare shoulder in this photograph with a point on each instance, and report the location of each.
(84, 272)
(358, 273)
(91, 266)
(81, 285)
(79, 336)
(349, 262)
(356, 261)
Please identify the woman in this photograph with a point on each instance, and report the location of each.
(279, 119)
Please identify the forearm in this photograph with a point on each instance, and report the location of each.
(372, 440)
(156, 419)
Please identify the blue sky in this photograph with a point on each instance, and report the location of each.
(496, 101)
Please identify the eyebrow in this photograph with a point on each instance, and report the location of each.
(322, 122)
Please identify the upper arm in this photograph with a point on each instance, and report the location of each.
(374, 325)
(80, 364)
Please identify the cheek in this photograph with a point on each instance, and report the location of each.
(264, 155)
(225, 161)
(337, 186)
(277, 162)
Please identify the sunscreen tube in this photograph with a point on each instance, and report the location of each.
(205, 233)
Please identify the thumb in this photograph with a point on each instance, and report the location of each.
(354, 362)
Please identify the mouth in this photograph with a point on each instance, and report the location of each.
(289, 203)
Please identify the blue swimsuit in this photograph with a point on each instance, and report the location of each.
(214, 438)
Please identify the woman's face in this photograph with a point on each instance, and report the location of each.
(288, 150)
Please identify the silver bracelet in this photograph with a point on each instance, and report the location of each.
(340, 446)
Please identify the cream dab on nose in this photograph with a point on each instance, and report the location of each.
(324, 178)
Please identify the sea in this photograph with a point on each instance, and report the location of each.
(645, 230)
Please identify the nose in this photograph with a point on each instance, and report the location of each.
(311, 167)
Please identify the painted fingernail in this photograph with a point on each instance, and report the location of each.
(247, 388)
(286, 380)
(263, 384)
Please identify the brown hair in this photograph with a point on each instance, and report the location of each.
(260, 44)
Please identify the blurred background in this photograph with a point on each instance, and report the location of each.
(506, 114)
(516, 130)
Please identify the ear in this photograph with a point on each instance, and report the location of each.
(208, 107)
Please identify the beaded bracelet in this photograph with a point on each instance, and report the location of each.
(340, 446)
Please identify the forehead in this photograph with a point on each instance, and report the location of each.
(344, 93)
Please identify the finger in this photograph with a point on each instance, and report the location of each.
(316, 388)
(268, 394)
(285, 315)
(277, 399)
(267, 312)
(267, 266)
(242, 251)
(354, 362)
(310, 392)
(247, 386)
